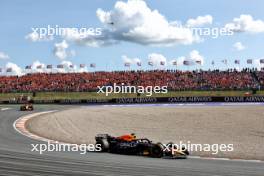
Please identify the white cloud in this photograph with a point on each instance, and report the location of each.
(81, 70)
(15, 69)
(89, 39)
(38, 67)
(35, 37)
(257, 64)
(126, 59)
(68, 67)
(67, 64)
(171, 62)
(193, 57)
(180, 60)
(156, 59)
(239, 46)
(133, 21)
(3, 56)
(130, 60)
(60, 50)
(137, 60)
(200, 21)
(35, 68)
(246, 23)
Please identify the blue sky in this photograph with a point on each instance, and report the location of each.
(18, 17)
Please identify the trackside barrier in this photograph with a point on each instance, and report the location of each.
(143, 100)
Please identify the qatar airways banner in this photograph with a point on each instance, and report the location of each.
(144, 100)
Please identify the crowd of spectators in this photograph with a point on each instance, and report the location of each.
(174, 79)
(260, 78)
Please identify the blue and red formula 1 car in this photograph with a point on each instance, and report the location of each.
(130, 145)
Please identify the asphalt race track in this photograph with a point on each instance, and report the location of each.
(16, 158)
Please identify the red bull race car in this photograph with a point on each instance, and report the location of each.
(26, 107)
(130, 145)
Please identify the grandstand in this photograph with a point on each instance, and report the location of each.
(246, 79)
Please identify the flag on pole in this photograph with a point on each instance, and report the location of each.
(28, 67)
(49, 66)
(60, 66)
(162, 62)
(212, 62)
(186, 62)
(9, 70)
(127, 64)
(249, 61)
(92, 65)
(150, 63)
(237, 61)
(198, 62)
(139, 64)
(224, 61)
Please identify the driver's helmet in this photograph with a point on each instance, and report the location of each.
(133, 135)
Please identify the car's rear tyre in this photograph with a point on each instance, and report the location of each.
(104, 145)
(156, 150)
(186, 152)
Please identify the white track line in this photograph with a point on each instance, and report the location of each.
(4, 109)
(226, 159)
(19, 126)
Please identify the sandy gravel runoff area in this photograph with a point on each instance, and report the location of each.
(242, 126)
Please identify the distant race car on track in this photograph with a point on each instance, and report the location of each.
(26, 107)
(130, 145)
